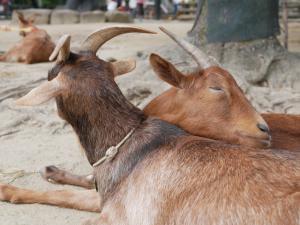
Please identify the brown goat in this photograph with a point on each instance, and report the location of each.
(229, 119)
(187, 108)
(160, 175)
(36, 45)
(196, 104)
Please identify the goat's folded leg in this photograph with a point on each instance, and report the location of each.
(59, 176)
(85, 200)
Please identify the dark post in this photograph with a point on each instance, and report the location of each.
(285, 23)
(82, 5)
(157, 9)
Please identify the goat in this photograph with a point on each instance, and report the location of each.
(159, 174)
(200, 109)
(186, 106)
(36, 45)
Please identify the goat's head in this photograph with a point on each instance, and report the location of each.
(26, 25)
(209, 102)
(79, 80)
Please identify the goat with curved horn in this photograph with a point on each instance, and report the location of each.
(95, 40)
(200, 57)
(62, 49)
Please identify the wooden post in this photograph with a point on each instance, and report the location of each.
(285, 22)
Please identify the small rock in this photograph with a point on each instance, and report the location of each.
(139, 54)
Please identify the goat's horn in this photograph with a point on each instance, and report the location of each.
(62, 49)
(200, 57)
(95, 40)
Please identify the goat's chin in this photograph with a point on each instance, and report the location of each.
(257, 142)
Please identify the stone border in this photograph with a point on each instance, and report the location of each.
(67, 16)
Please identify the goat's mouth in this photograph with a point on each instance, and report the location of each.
(255, 141)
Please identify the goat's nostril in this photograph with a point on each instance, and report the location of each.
(263, 127)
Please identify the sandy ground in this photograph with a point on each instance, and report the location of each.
(31, 138)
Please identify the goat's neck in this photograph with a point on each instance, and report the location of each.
(106, 125)
(163, 109)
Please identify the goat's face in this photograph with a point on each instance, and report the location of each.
(209, 103)
(26, 25)
(83, 78)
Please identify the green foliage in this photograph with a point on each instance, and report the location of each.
(52, 3)
(41, 3)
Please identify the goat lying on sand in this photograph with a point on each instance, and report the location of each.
(160, 174)
(36, 46)
(200, 109)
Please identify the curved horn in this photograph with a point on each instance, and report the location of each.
(95, 40)
(200, 57)
(62, 49)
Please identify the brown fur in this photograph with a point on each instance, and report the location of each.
(87, 200)
(59, 176)
(36, 45)
(285, 130)
(207, 103)
(285, 135)
(187, 108)
(163, 175)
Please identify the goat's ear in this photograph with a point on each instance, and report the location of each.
(33, 18)
(61, 51)
(21, 19)
(41, 94)
(124, 66)
(167, 71)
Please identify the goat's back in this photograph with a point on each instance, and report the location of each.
(199, 181)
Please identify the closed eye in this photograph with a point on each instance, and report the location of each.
(217, 89)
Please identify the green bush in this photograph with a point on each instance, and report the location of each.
(41, 3)
(52, 3)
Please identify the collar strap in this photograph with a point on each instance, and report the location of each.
(112, 151)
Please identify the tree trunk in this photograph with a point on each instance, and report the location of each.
(262, 61)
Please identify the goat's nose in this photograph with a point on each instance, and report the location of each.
(263, 128)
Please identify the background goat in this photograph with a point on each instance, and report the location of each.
(36, 45)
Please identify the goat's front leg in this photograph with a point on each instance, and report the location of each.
(85, 200)
(59, 176)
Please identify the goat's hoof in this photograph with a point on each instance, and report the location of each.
(52, 174)
(7, 192)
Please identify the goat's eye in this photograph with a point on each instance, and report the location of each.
(216, 89)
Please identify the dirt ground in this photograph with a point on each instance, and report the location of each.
(32, 138)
